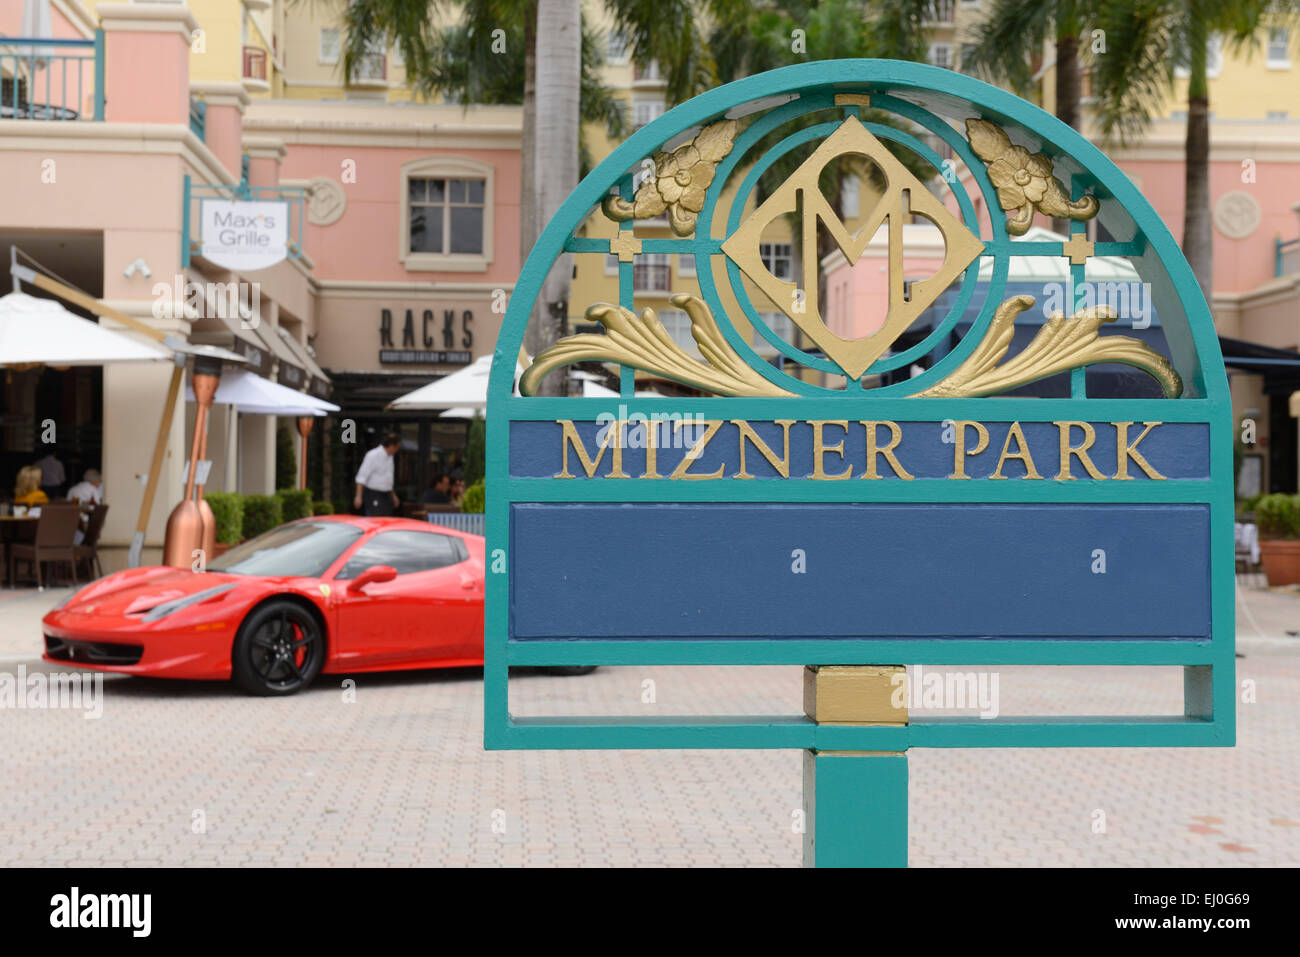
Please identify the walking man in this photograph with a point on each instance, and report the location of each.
(375, 478)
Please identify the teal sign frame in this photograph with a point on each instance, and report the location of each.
(521, 427)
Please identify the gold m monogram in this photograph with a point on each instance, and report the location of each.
(904, 197)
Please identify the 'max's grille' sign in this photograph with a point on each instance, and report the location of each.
(244, 236)
(978, 474)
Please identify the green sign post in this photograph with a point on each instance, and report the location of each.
(962, 483)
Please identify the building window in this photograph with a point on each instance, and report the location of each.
(371, 66)
(850, 197)
(1279, 48)
(778, 258)
(941, 55)
(652, 273)
(968, 57)
(327, 50)
(611, 264)
(678, 326)
(779, 324)
(1277, 116)
(1213, 59)
(447, 214)
(649, 73)
(646, 111)
(938, 11)
(1214, 56)
(615, 47)
(686, 265)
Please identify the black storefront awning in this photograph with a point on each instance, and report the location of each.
(1279, 367)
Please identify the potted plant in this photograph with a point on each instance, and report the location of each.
(1278, 517)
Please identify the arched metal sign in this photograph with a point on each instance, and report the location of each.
(829, 509)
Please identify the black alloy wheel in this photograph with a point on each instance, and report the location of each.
(279, 649)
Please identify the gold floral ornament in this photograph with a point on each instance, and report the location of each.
(642, 342)
(681, 179)
(1024, 180)
(1062, 344)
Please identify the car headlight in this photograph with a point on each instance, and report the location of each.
(176, 604)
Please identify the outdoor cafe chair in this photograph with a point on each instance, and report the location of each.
(55, 531)
(88, 550)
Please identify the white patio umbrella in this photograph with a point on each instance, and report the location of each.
(36, 25)
(251, 394)
(465, 388)
(36, 331)
(590, 390)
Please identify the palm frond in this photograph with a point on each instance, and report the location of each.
(1134, 78)
(1011, 37)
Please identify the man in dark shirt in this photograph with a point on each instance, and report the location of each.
(437, 493)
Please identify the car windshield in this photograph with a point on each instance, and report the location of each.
(300, 549)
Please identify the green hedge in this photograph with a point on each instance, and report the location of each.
(342, 506)
(474, 498)
(286, 462)
(475, 451)
(228, 508)
(1278, 516)
(261, 514)
(322, 508)
(294, 503)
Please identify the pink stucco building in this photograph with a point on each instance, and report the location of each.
(403, 243)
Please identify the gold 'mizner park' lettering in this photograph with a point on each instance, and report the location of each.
(696, 450)
(1023, 455)
(807, 450)
(782, 465)
(1126, 450)
(874, 450)
(613, 439)
(959, 452)
(1069, 451)
(820, 448)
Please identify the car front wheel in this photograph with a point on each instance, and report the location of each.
(279, 649)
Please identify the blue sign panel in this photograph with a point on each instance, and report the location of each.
(960, 571)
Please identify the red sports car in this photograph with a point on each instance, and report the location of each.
(326, 594)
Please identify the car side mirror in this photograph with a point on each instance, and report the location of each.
(373, 574)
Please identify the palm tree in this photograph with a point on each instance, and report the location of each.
(555, 173)
(1013, 34)
(1134, 80)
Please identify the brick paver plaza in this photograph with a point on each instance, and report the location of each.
(199, 774)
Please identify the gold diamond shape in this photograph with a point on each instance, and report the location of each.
(904, 196)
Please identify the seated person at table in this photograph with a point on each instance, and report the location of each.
(437, 494)
(457, 491)
(27, 490)
(89, 491)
